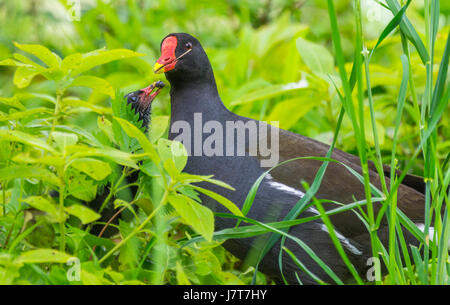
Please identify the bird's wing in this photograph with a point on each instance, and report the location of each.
(338, 183)
(413, 181)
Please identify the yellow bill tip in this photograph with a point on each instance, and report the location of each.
(157, 68)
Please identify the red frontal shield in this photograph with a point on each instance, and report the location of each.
(168, 59)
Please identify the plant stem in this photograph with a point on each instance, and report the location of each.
(5, 183)
(126, 186)
(374, 126)
(59, 94)
(336, 241)
(139, 228)
(4, 198)
(360, 132)
(62, 226)
(113, 190)
(412, 85)
(10, 230)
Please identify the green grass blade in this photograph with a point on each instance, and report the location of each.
(392, 25)
(441, 79)
(302, 267)
(299, 242)
(301, 204)
(393, 203)
(251, 231)
(409, 31)
(336, 242)
(405, 253)
(420, 264)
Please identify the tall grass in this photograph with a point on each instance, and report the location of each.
(401, 268)
(433, 103)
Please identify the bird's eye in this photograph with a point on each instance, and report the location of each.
(133, 99)
(188, 45)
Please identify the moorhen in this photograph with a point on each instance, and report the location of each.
(199, 119)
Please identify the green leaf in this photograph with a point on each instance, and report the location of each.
(5, 147)
(159, 125)
(64, 139)
(288, 112)
(115, 155)
(48, 57)
(24, 75)
(182, 278)
(42, 204)
(12, 102)
(71, 62)
(150, 169)
(12, 62)
(100, 57)
(129, 252)
(42, 256)
(85, 214)
(145, 204)
(206, 263)
(24, 114)
(98, 84)
(82, 189)
(266, 93)
(189, 178)
(133, 131)
(164, 149)
(21, 171)
(94, 168)
(173, 150)
(25, 138)
(93, 278)
(229, 278)
(22, 58)
(170, 168)
(79, 186)
(21, 96)
(316, 57)
(77, 104)
(198, 216)
(25, 157)
(106, 127)
(219, 198)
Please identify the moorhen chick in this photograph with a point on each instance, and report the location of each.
(141, 101)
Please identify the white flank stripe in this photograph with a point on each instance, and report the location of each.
(296, 192)
(421, 227)
(347, 244)
(283, 187)
(344, 240)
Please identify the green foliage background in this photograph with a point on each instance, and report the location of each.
(64, 124)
